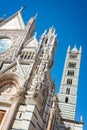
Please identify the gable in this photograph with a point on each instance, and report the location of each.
(31, 43)
(13, 23)
(22, 71)
(74, 50)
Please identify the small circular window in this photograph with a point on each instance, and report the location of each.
(5, 44)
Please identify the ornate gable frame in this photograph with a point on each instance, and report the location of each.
(10, 90)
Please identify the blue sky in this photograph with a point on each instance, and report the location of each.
(69, 17)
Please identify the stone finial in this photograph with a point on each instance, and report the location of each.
(32, 19)
(52, 29)
(2, 18)
(80, 49)
(35, 15)
(81, 118)
(75, 46)
(21, 9)
(68, 50)
(35, 34)
(43, 34)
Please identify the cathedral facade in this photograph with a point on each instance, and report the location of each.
(27, 94)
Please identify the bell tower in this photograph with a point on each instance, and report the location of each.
(69, 84)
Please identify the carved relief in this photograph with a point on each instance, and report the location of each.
(14, 69)
(8, 90)
(9, 87)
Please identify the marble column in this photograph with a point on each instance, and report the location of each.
(11, 114)
(52, 111)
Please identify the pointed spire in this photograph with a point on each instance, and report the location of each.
(56, 35)
(44, 33)
(68, 50)
(35, 34)
(81, 118)
(42, 36)
(52, 30)
(21, 9)
(35, 17)
(80, 49)
(75, 46)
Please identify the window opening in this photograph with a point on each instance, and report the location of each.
(20, 115)
(46, 41)
(5, 44)
(25, 55)
(66, 100)
(68, 91)
(28, 56)
(22, 54)
(70, 72)
(37, 70)
(71, 65)
(44, 68)
(73, 55)
(69, 81)
(2, 114)
(39, 62)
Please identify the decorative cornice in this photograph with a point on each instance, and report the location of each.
(72, 121)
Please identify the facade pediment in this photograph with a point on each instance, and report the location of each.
(10, 23)
(14, 68)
